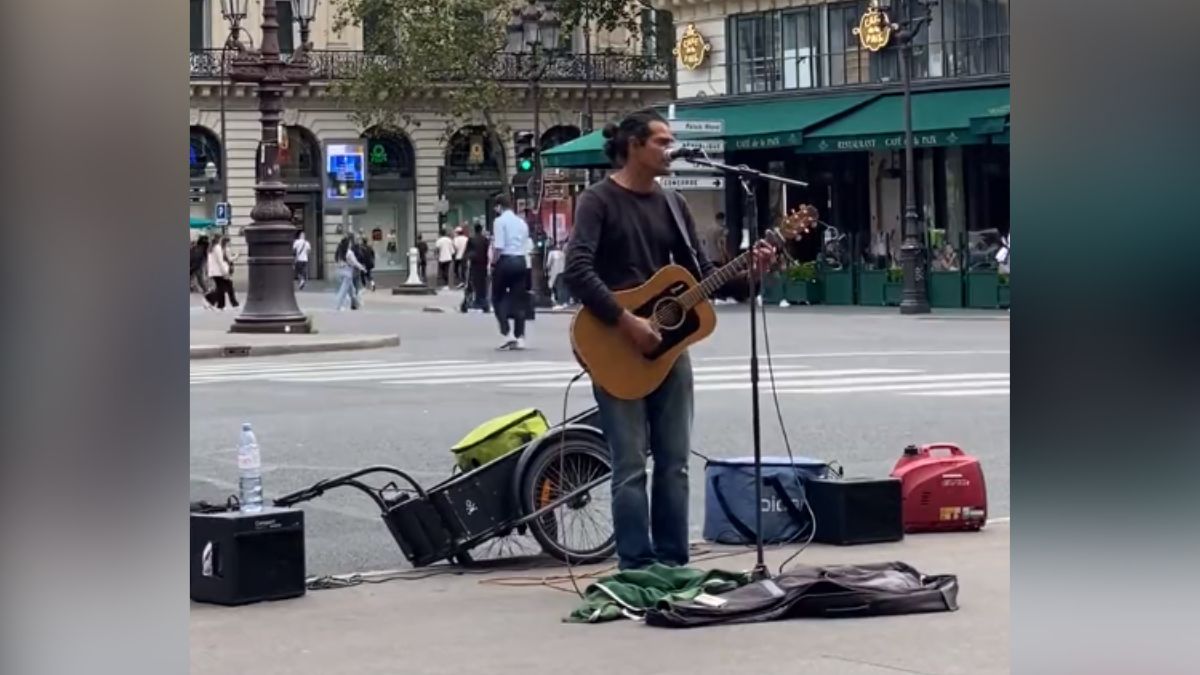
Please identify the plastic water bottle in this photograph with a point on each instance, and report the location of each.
(250, 471)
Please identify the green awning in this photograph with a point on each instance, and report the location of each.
(749, 125)
(957, 117)
(758, 125)
(199, 223)
(585, 151)
(1001, 138)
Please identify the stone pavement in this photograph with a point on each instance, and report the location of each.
(488, 623)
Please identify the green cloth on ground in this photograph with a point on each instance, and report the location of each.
(635, 591)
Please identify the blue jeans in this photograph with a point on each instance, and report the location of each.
(346, 291)
(661, 423)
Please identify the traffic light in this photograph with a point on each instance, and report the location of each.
(526, 151)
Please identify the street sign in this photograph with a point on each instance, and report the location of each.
(693, 182)
(221, 216)
(698, 126)
(556, 190)
(710, 146)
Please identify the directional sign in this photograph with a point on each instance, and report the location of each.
(693, 182)
(698, 126)
(710, 146)
(221, 216)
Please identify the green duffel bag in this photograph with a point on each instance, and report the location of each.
(499, 436)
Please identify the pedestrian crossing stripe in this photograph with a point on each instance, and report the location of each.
(790, 378)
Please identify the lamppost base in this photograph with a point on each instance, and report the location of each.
(272, 324)
(914, 307)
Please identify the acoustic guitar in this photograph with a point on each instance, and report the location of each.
(677, 305)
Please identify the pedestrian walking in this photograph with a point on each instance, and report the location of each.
(347, 267)
(476, 255)
(197, 263)
(422, 258)
(555, 262)
(510, 292)
(366, 255)
(445, 253)
(460, 260)
(220, 271)
(301, 248)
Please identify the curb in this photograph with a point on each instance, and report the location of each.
(245, 350)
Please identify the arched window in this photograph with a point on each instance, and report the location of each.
(470, 150)
(389, 154)
(558, 135)
(204, 148)
(302, 157)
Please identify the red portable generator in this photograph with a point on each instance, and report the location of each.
(942, 493)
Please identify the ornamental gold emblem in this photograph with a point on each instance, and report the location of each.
(874, 28)
(692, 48)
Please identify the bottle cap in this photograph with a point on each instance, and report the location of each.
(910, 450)
(245, 426)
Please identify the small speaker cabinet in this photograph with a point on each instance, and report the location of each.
(856, 510)
(239, 558)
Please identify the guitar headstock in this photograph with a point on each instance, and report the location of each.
(798, 222)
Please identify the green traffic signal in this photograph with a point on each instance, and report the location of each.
(525, 164)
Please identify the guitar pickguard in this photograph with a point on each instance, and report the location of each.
(688, 324)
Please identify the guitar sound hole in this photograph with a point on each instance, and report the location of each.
(668, 313)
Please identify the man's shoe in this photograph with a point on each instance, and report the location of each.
(520, 343)
(508, 346)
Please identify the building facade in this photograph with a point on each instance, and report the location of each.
(421, 179)
(798, 95)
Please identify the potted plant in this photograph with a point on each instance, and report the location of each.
(771, 290)
(800, 284)
(893, 287)
(983, 288)
(1004, 292)
(945, 272)
(870, 284)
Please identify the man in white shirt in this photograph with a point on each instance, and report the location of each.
(301, 247)
(460, 262)
(510, 294)
(445, 253)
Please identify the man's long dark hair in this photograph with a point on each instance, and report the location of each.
(635, 125)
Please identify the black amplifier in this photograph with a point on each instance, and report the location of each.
(856, 510)
(238, 558)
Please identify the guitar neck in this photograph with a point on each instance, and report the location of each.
(705, 289)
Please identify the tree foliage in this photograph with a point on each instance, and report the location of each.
(442, 55)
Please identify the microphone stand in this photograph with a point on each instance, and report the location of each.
(745, 176)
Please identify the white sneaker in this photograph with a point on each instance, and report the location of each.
(520, 343)
(784, 303)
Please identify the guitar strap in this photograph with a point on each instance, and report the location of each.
(680, 224)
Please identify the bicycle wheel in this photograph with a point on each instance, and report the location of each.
(576, 472)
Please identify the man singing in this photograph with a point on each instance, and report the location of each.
(624, 232)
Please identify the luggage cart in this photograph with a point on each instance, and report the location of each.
(530, 490)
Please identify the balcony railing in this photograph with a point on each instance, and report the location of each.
(334, 64)
(970, 57)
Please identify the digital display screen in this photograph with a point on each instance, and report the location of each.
(345, 166)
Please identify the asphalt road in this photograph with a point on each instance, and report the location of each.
(856, 385)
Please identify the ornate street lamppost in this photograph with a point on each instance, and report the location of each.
(874, 32)
(270, 305)
(537, 27)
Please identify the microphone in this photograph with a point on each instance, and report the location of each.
(680, 152)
